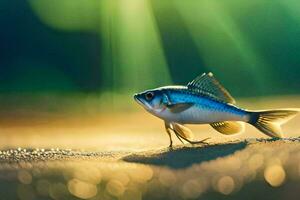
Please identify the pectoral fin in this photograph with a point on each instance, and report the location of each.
(179, 107)
(186, 134)
(228, 127)
(183, 131)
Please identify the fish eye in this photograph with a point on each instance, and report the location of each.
(149, 96)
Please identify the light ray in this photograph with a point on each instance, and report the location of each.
(217, 35)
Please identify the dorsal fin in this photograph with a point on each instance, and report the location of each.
(207, 85)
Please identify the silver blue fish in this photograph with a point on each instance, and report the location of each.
(205, 101)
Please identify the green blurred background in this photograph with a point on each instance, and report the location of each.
(105, 50)
(69, 68)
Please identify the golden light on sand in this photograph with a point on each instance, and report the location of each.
(226, 185)
(24, 177)
(82, 189)
(275, 175)
(115, 188)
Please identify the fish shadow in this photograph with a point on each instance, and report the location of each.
(182, 157)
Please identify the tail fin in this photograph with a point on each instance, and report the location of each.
(269, 121)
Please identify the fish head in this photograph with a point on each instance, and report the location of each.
(151, 100)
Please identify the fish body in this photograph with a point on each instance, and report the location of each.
(204, 110)
(205, 101)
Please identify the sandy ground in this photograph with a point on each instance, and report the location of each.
(248, 169)
(125, 156)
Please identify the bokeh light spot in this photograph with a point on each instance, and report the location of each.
(90, 175)
(42, 187)
(191, 189)
(24, 177)
(226, 185)
(256, 161)
(122, 177)
(275, 175)
(141, 174)
(167, 178)
(115, 188)
(25, 192)
(82, 189)
(58, 191)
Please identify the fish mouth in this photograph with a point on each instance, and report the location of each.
(136, 98)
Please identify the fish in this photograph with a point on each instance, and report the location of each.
(205, 101)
